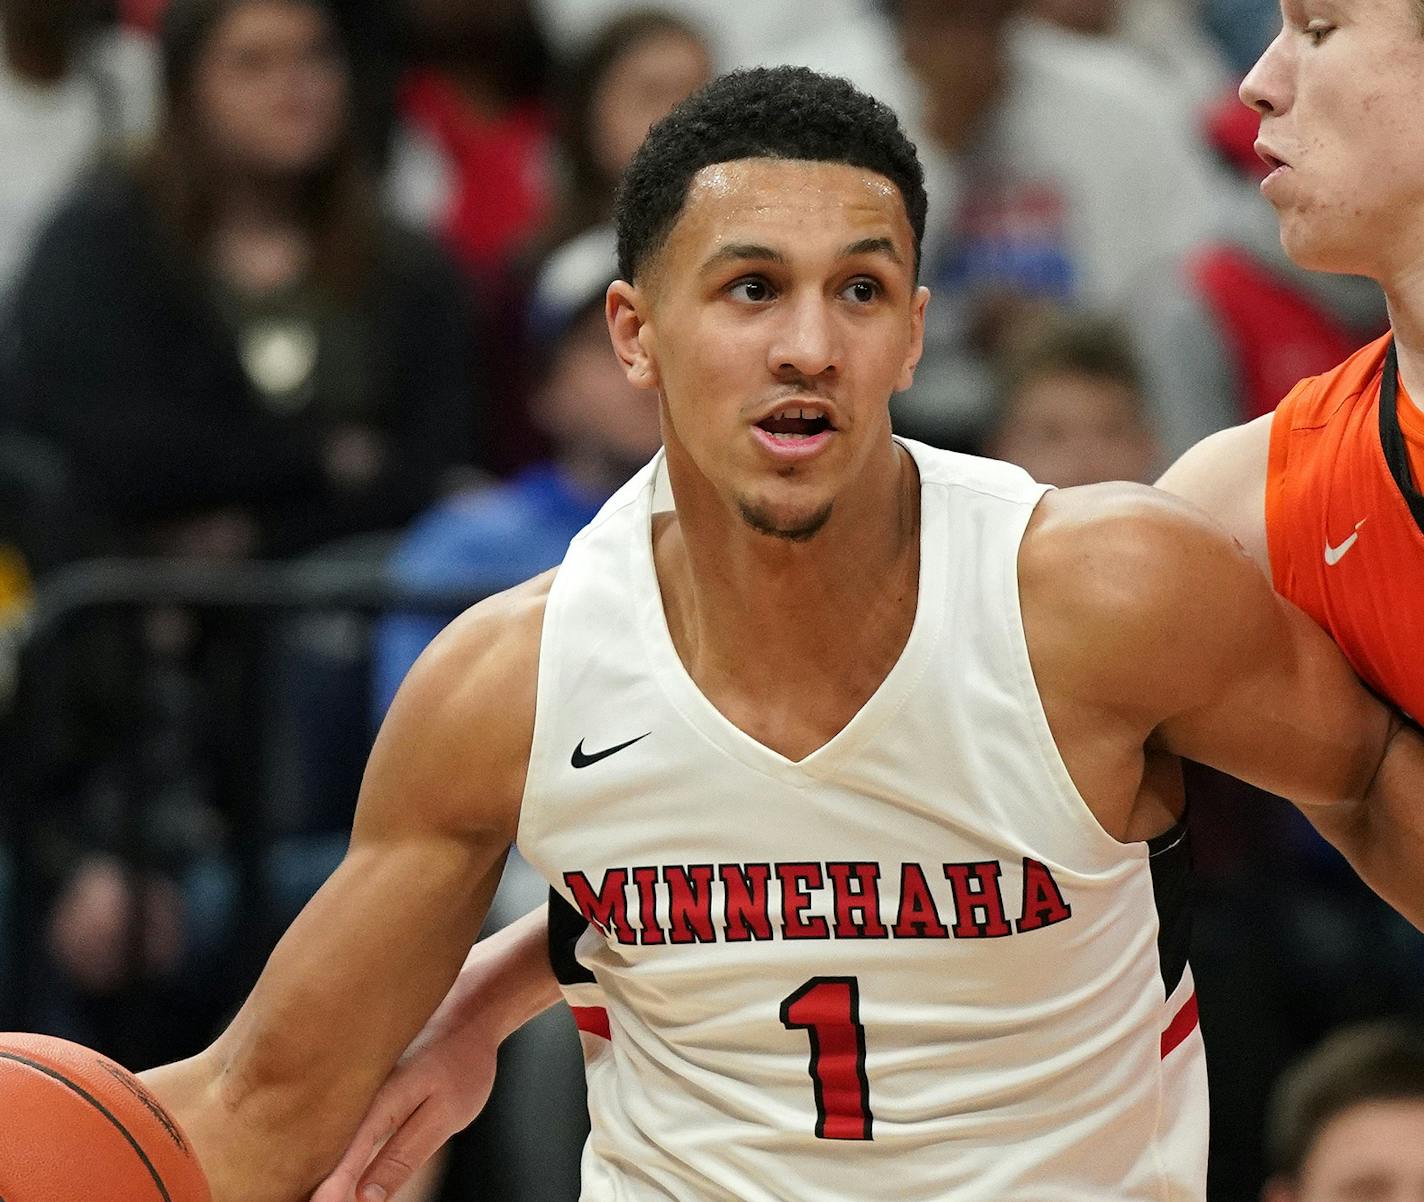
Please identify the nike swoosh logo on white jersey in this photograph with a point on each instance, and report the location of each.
(1334, 555)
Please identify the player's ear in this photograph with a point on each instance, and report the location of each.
(626, 310)
(917, 339)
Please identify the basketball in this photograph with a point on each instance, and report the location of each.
(73, 1124)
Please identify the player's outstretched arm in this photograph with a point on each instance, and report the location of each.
(444, 1079)
(271, 1105)
(1156, 622)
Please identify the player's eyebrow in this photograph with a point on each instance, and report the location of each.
(874, 246)
(738, 252)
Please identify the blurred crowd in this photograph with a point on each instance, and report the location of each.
(305, 281)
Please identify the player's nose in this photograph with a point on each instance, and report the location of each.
(1267, 86)
(807, 340)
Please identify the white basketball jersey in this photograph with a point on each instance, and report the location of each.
(910, 966)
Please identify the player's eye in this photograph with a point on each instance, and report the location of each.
(1317, 31)
(753, 289)
(862, 291)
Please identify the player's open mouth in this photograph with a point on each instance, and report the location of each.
(794, 425)
(1276, 166)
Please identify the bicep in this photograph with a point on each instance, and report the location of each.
(1272, 700)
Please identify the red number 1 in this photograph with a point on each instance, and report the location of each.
(829, 1008)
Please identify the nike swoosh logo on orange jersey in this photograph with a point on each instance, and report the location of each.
(1334, 555)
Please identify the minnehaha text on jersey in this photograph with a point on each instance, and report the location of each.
(738, 903)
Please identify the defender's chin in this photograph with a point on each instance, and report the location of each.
(1317, 245)
(1317, 254)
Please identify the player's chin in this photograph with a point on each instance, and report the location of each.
(1316, 245)
(797, 521)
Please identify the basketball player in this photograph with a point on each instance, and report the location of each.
(855, 760)
(1324, 494)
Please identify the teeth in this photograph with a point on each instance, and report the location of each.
(795, 415)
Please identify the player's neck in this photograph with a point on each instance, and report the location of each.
(803, 610)
(1406, 316)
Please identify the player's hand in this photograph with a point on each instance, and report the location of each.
(437, 1089)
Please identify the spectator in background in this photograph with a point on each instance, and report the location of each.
(742, 33)
(69, 86)
(473, 162)
(1164, 37)
(1052, 179)
(1347, 1122)
(370, 29)
(1276, 323)
(629, 76)
(1071, 408)
(486, 540)
(474, 158)
(237, 352)
(602, 429)
(240, 356)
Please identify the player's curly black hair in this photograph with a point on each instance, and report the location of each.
(764, 112)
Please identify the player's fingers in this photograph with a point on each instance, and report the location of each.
(340, 1185)
(386, 1114)
(404, 1153)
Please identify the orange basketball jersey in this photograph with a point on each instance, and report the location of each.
(1345, 518)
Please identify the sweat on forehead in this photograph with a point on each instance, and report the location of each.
(765, 113)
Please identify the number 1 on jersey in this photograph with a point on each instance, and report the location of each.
(828, 1008)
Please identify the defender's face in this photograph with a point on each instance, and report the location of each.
(776, 322)
(1339, 93)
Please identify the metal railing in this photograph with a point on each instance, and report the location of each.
(105, 603)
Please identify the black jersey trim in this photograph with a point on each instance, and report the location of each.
(1396, 453)
(1169, 858)
(566, 926)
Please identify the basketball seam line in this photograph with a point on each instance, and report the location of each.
(101, 1108)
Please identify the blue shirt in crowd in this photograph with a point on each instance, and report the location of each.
(483, 541)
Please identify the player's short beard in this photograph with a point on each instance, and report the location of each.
(801, 531)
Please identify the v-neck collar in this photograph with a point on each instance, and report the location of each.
(891, 694)
(1396, 453)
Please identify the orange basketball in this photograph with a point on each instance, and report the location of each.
(75, 1126)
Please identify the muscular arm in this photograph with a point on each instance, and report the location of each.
(1151, 631)
(1225, 476)
(271, 1104)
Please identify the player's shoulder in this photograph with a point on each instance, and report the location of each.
(1317, 399)
(482, 668)
(1117, 512)
(1225, 476)
(495, 641)
(1118, 552)
(1128, 592)
(459, 731)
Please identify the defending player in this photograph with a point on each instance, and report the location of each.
(1324, 493)
(858, 764)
